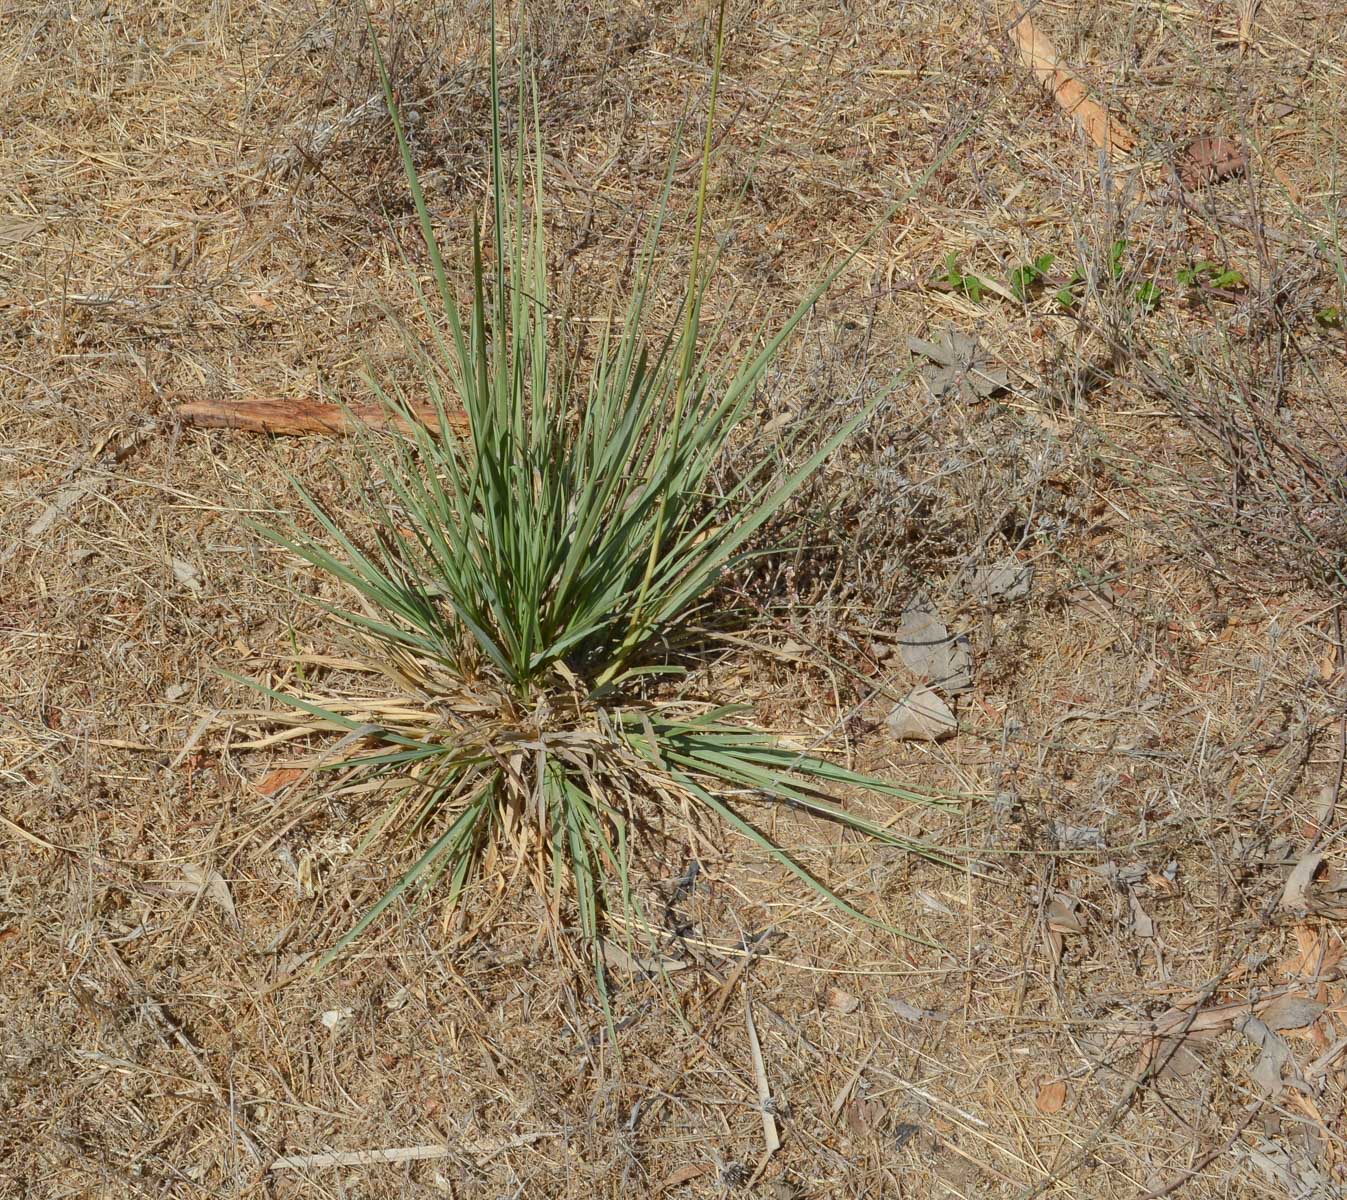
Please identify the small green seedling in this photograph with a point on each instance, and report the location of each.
(1212, 275)
(1116, 254)
(1329, 317)
(971, 286)
(1149, 296)
(1066, 296)
(1028, 278)
(1024, 279)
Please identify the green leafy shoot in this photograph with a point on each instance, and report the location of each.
(1066, 295)
(1116, 254)
(1149, 295)
(536, 586)
(970, 285)
(1211, 275)
(1025, 279)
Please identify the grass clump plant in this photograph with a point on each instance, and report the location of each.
(535, 583)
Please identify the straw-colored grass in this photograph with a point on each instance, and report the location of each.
(1155, 731)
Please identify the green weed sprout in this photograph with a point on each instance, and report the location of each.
(1024, 279)
(966, 282)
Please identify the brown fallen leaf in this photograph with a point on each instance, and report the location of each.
(1061, 917)
(1167, 1044)
(1176, 1055)
(863, 1116)
(1143, 924)
(1276, 1066)
(1041, 57)
(1295, 895)
(1292, 1011)
(1315, 959)
(277, 778)
(1285, 180)
(279, 415)
(1173, 1058)
(1063, 914)
(685, 1175)
(1051, 1096)
(1211, 159)
(840, 1001)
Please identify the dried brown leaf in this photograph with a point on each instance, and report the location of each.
(1211, 159)
(1291, 1011)
(1315, 890)
(1174, 1058)
(685, 1175)
(1289, 1172)
(1063, 914)
(1142, 923)
(205, 881)
(1295, 895)
(19, 229)
(277, 778)
(1051, 1096)
(863, 1115)
(1314, 958)
(1276, 1066)
(1173, 1034)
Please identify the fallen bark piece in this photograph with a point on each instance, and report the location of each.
(1041, 57)
(293, 417)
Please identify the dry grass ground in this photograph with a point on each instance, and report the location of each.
(200, 201)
